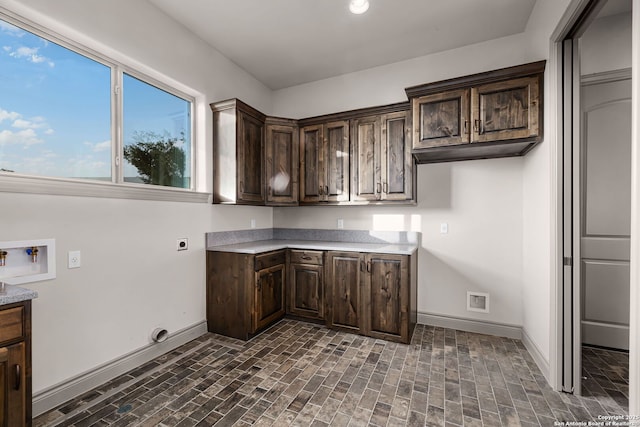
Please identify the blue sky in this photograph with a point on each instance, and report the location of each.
(55, 112)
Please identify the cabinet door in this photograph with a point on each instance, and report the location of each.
(13, 386)
(397, 162)
(282, 162)
(343, 290)
(385, 296)
(250, 159)
(506, 110)
(366, 159)
(441, 119)
(311, 166)
(269, 304)
(336, 161)
(305, 291)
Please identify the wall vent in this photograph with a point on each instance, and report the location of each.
(478, 301)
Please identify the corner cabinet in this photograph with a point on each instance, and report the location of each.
(245, 292)
(282, 162)
(238, 153)
(15, 364)
(487, 115)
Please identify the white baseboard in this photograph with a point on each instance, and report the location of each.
(538, 357)
(471, 325)
(56, 395)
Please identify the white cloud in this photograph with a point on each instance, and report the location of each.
(49, 131)
(26, 138)
(11, 115)
(28, 124)
(29, 53)
(99, 146)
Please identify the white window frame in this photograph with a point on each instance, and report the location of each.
(34, 184)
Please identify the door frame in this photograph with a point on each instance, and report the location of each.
(574, 13)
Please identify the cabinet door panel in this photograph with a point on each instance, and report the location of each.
(305, 290)
(386, 296)
(269, 301)
(13, 383)
(343, 287)
(397, 162)
(366, 159)
(282, 164)
(441, 119)
(505, 110)
(311, 143)
(336, 161)
(250, 155)
(4, 381)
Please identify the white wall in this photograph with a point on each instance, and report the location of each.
(132, 278)
(481, 201)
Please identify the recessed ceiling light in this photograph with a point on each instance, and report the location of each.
(358, 6)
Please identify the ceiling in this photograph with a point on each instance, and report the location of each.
(284, 43)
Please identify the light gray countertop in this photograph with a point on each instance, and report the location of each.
(16, 294)
(319, 245)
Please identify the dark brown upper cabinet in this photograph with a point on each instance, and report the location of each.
(381, 162)
(441, 119)
(324, 162)
(506, 110)
(282, 162)
(238, 153)
(487, 115)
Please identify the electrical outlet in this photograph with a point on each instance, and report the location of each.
(183, 244)
(253, 223)
(340, 223)
(74, 259)
(444, 228)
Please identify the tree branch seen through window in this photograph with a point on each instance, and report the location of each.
(159, 158)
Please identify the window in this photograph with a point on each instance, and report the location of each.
(65, 113)
(157, 135)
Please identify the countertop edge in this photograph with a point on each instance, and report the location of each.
(262, 246)
(14, 294)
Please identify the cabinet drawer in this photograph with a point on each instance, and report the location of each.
(305, 257)
(11, 324)
(269, 260)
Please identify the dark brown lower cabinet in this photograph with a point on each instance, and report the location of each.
(372, 294)
(305, 293)
(343, 291)
(15, 365)
(269, 296)
(245, 292)
(366, 293)
(385, 297)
